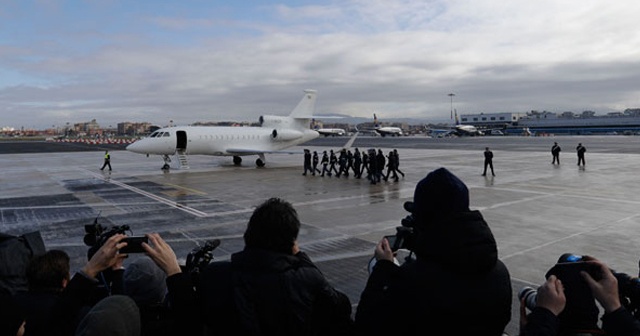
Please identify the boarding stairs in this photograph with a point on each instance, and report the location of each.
(182, 158)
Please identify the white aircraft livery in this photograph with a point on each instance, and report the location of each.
(385, 130)
(274, 134)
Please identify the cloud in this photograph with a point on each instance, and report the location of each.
(399, 58)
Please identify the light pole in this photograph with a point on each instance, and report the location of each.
(451, 96)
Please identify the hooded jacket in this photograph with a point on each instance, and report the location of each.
(456, 284)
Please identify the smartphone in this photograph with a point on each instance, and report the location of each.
(394, 242)
(134, 244)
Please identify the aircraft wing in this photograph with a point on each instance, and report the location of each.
(350, 141)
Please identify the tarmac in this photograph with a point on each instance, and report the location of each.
(537, 211)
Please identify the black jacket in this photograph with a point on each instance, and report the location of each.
(261, 292)
(457, 285)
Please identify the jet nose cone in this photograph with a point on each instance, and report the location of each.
(133, 147)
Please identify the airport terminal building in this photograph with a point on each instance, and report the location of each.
(567, 123)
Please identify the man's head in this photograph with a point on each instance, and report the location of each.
(273, 226)
(144, 282)
(438, 195)
(49, 272)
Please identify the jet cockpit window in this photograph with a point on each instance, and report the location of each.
(153, 135)
(166, 134)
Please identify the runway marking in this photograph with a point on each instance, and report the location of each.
(165, 201)
(605, 225)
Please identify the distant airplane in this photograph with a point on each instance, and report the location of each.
(274, 134)
(386, 130)
(327, 131)
(456, 130)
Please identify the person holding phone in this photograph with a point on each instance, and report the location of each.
(456, 275)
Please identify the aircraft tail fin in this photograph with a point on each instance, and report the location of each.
(306, 106)
(457, 121)
(375, 121)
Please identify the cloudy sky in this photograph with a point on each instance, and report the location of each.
(206, 60)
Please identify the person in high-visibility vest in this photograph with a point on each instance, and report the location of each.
(107, 160)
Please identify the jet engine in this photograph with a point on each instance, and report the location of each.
(285, 135)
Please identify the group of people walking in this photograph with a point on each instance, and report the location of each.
(371, 162)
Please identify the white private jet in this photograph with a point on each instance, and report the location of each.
(456, 130)
(274, 134)
(385, 130)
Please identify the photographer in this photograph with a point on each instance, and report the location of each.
(546, 318)
(456, 283)
(83, 291)
(269, 288)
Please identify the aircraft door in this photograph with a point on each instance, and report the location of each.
(182, 140)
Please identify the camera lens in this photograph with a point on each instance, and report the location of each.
(529, 295)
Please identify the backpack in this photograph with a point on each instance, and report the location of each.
(15, 254)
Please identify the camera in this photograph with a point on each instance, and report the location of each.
(201, 256)
(404, 237)
(96, 235)
(529, 294)
(629, 292)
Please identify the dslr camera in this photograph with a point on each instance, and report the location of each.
(96, 235)
(568, 268)
(405, 234)
(199, 258)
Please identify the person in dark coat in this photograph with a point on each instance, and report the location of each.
(488, 161)
(549, 316)
(555, 152)
(333, 159)
(270, 287)
(581, 150)
(307, 162)
(455, 284)
(357, 163)
(381, 162)
(315, 160)
(325, 163)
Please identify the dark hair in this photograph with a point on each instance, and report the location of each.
(273, 226)
(46, 272)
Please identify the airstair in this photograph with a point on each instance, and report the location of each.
(182, 158)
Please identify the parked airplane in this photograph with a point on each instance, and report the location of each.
(327, 131)
(274, 134)
(456, 130)
(386, 130)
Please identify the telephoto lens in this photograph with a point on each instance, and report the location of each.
(529, 295)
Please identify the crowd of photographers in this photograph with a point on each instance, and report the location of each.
(451, 281)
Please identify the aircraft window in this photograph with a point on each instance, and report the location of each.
(166, 134)
(153, 135)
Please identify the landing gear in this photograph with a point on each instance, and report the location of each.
(259, 163)
(237, 160)
(167, 160)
